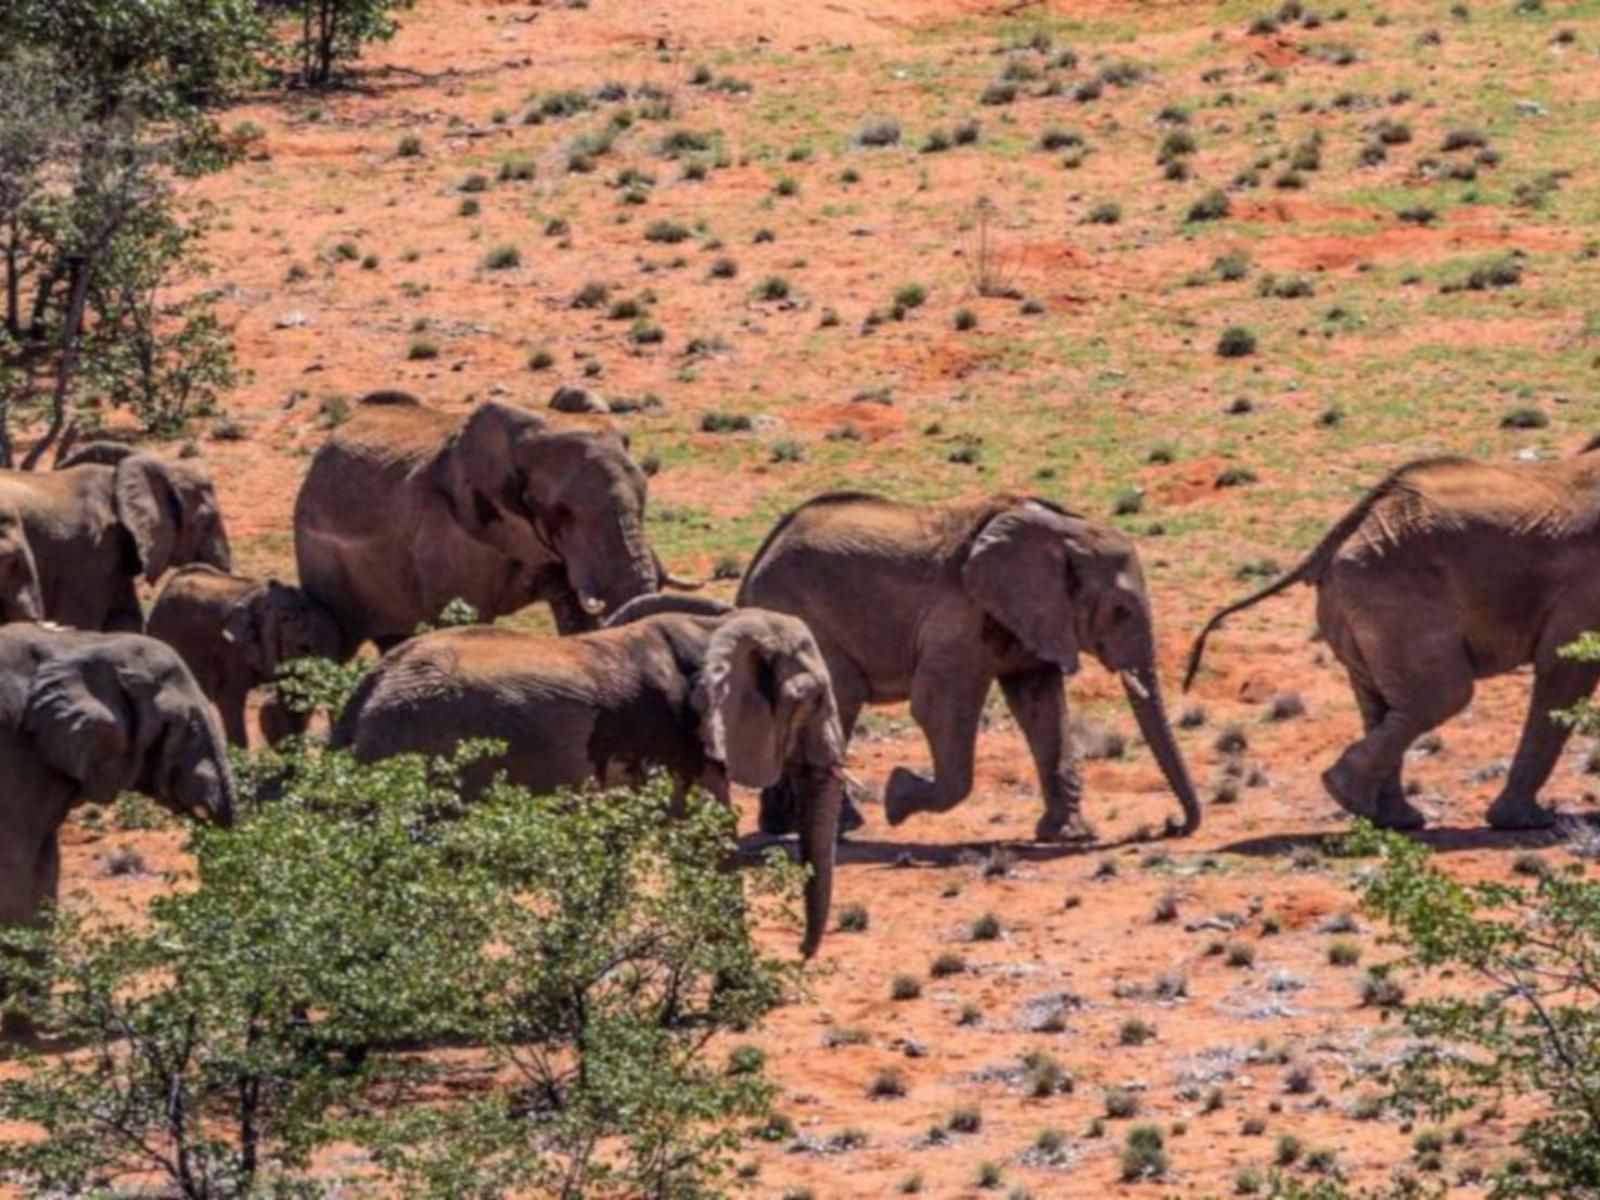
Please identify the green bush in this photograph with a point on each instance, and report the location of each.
(591, 945)
(1519, 1014)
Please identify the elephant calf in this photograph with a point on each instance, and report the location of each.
(235, 633)
(83, 718)
(741, 697)
(1451, 571)
(934, 604)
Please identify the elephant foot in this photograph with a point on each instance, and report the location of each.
(1395, 812)
(1069, 828)
(1348, 792)
(1510, 814)
(906, 794)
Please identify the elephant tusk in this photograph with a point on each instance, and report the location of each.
(671, 581)
(1132, 683)
(592, 605)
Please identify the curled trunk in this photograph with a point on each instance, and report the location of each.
(1144, 697)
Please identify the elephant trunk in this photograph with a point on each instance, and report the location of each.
(1144, 697)
(214, 550)
(819, 835)
(26, 602)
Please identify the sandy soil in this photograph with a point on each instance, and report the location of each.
(1066, 401)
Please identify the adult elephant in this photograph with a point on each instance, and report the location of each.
(1450, 571)
(934, 604)
(739, 697)
(83, 718)
(105, 517)
(407, 508)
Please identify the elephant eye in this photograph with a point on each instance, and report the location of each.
(1121, 614)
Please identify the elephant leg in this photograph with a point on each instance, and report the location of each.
(279, 723)
(947, 706)
(27, 884)
(1038, 701)
(1423, 681)
(124, 615)
(1394, 811)
(232, 700)
(1557, 684)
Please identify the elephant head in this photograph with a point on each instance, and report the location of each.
(1062, 585)
(538, 492)
(274, 624)
(170, 511)
(20, 595)
(767, 711)
(120, 712)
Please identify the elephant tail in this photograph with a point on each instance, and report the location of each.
(1309, 570)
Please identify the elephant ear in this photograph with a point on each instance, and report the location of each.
(148, 507)
(243, 628)
(477, 469)
(80, 717)
(1019, 572)
(743, 713)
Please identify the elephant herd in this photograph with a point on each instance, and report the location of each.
(1447, 572)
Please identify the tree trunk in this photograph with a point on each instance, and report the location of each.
(13, 281)
(305, 42)
(81, 269)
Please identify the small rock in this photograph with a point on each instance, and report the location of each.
(572, 399)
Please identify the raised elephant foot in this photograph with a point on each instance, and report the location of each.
(1511, 814)
(1349, 791)
(1070, 828)
(909, 793)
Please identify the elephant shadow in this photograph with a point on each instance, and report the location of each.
(1447, 839)
(856, 851)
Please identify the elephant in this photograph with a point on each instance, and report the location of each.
(235, 633)
(739, 697)
(105, 516)
(933, 604)
(407, 508)
(83, 718)
(1449, 571)
(20, 596)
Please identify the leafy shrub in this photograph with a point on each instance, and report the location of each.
(667, 232)
(1236, 342)
(879, 131)
(502, 258)
(722, 422)
(1213, 206)
(250, 1022)
(1144, 1156)
(1531, 1026)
